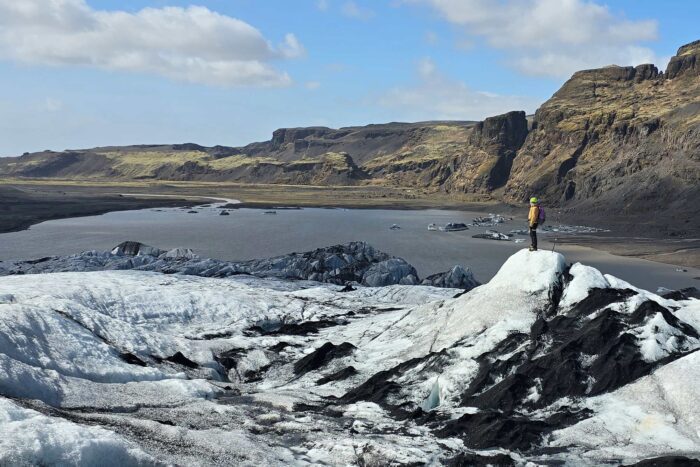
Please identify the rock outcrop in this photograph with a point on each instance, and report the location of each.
(685, 62)
(611, 131)
(487, 160)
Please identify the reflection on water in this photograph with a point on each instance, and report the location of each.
(248, 233)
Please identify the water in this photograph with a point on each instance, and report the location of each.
(248, 234)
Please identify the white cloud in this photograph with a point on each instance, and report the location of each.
(311, 85)
(436, 96)
(291, 47)
(353, 10)
(191, 44)
(322, 5)
(552, 37)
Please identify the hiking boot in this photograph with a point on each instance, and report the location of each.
(532, 248)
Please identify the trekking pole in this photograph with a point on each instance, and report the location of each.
(554, 244)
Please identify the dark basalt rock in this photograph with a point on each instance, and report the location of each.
(214, 335)
(322, 356)
(252, 376)
(477, 460)
(292, 135)
(685, 62)
(501, 135)
(650, 308)
(493, 429)
(381, 385)
(508, 130)
(132, 359)
(307, 327)
(281, 346)
(683, 294)
(188, 147)
(229, 359)
(645, 72)
(178, 358)
(39, 260)
(292, 329)
(339, 375)
(600, 298)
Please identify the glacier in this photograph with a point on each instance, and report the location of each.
(546, 363)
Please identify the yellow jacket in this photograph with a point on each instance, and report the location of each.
(534, 215)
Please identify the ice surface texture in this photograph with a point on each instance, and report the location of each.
(545, 363)
(340, 264)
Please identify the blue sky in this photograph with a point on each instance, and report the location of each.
(76, 74)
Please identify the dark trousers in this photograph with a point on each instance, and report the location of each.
(533, 236)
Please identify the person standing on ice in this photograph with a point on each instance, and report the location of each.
(534, 218)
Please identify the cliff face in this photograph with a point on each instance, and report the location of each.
(622, 139)
(315, 155)
(494, 145)
(685, 62)
(473, 159)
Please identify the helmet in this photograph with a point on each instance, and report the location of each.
(533, 200)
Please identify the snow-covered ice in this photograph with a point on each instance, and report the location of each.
(30, 438)
(139, 367)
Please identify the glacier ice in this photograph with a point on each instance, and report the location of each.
(544, 363)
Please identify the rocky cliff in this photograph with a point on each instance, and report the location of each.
(622, 138)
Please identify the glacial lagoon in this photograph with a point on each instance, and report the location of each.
(250, 233)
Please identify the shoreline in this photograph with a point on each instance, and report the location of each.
(681, 253)
(33, 212)
(388, 206)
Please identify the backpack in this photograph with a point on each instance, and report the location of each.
(541, 217)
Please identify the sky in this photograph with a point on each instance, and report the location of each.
(85, 73)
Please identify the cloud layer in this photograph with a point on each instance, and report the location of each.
(191, 44)
(437, 97)
(551, 37)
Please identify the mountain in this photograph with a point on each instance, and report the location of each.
(618, 139)
(606, 133)
(134, 367)
(315, 155)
